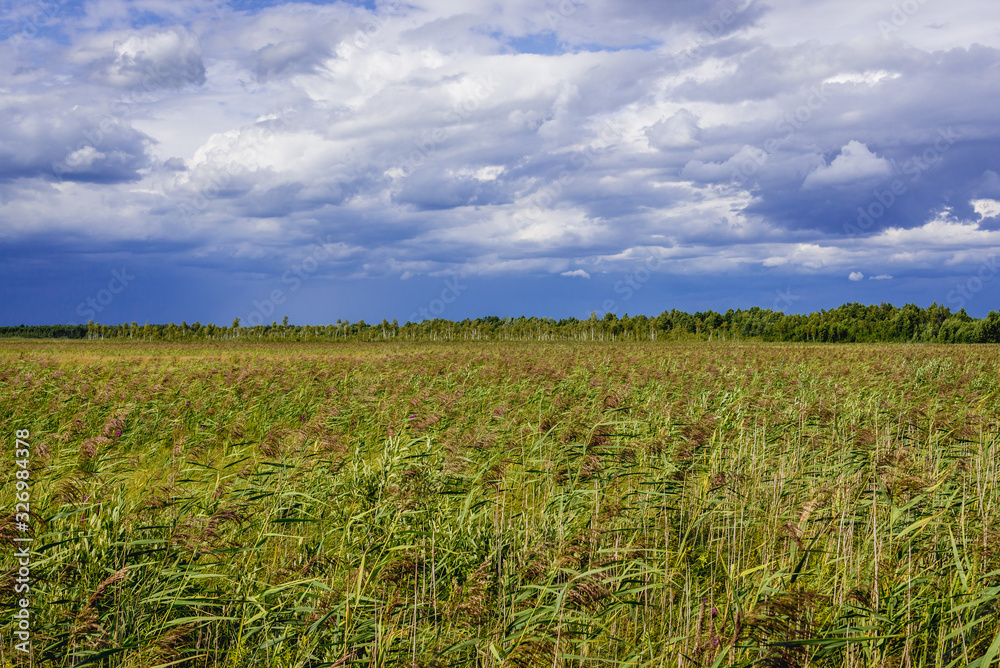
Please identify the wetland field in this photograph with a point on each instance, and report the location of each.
(501, 504)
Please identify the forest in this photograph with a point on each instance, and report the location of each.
(850, 323)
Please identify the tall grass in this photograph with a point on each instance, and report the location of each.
(508, 505)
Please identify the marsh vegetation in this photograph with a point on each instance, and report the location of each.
(508, 504)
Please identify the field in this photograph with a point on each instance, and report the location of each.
(505, 504)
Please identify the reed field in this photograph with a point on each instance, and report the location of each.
(498, 504)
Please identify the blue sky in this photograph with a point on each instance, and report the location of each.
(191, 160)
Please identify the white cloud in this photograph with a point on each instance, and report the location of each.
(83, 158)
(870, 77)
(489, 173)
(580, 273)
(880, 277)
(678, 131)
(855, 163)
(856, 276)
(987, 208)
(808, 256)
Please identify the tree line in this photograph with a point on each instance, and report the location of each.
(850, 323)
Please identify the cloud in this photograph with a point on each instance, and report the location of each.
(880, 277)
(987, 208)
(284, 58)
(45, 137)
(153, 58)
(855, 163)
(285, 41)
(856, 276)
(579, 273)
(747, 161)
(511, 140)
(83, 159)
(679, 131)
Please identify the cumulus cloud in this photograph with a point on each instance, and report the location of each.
(856, 276)
(83, 159)
(743, 164)
(675, 132)
(855, 163)
(153, 58)
(286, 57)
(987, 208)
(52, 142)
(294, 40)
(578, 273)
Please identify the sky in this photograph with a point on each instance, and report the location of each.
(204, 160)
